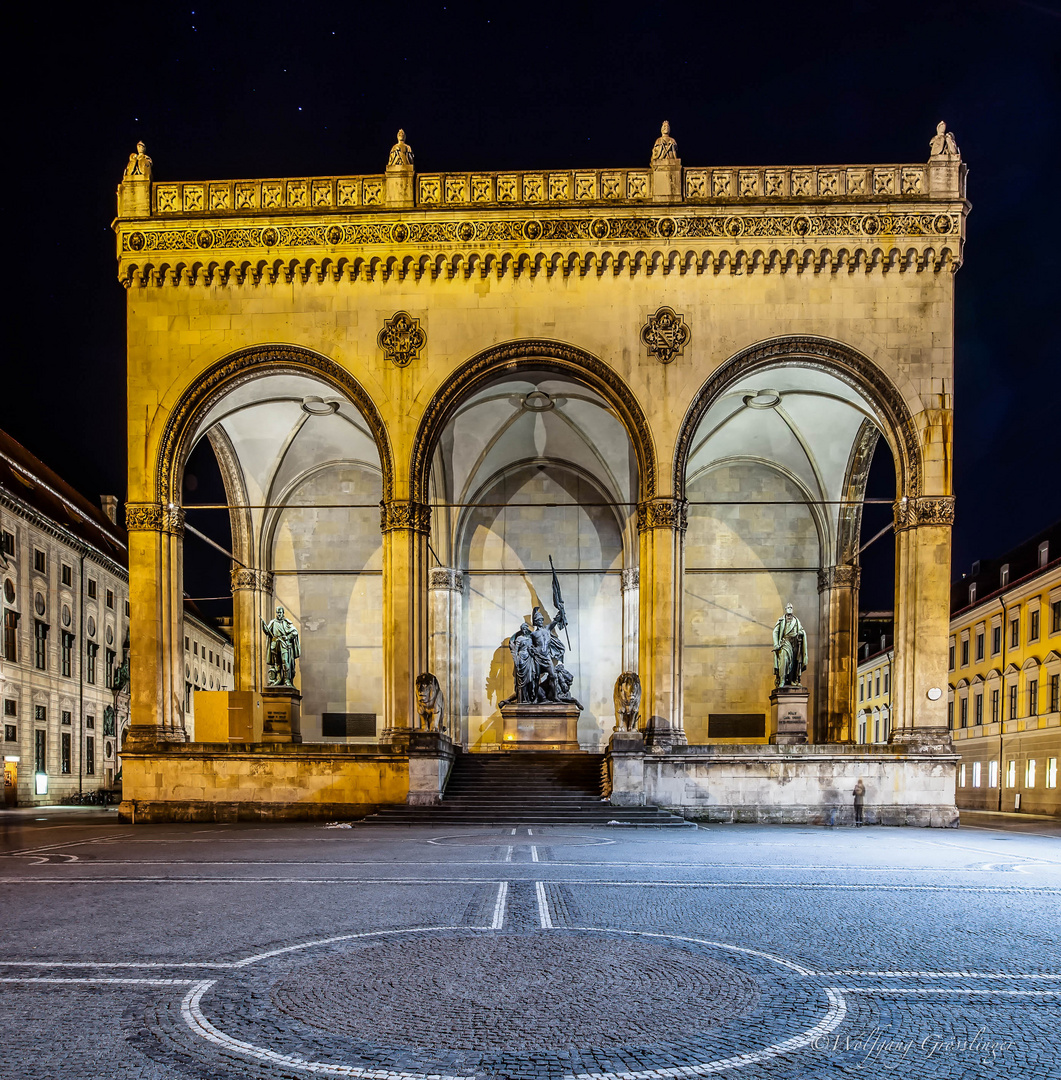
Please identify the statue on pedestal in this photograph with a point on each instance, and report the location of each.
(790, 650)
(430, 702)
(284, 649)
(665, 149)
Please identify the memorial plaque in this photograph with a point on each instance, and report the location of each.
(340, 725)
(736, 725)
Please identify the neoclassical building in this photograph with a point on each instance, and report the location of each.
(420, 386)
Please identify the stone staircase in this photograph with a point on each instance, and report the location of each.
(525, 788)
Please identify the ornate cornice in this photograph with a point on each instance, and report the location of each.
(838, 360)
(245, 577)
(631, 578)
(244, 366)
(405, 514)
(662, 513)
(443, 577)
(554, 356)
(143, 517)
(910, 513)
(839, 577)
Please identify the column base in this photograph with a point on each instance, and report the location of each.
(283, 715)
(660, 737)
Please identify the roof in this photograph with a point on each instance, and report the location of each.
(1023, 561)
(27, 479)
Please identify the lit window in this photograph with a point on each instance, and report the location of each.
(972, 593)
(992, 774)
(961, 775)
(1011, 773)
(1051, 772)
(1003, 575)
(1044, 552)
(1029, 773)
(976, 774)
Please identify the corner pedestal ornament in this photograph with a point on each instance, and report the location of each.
(924, 510)
(665, 335)
(401, 338)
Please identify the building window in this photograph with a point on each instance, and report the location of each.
(994, 706)
(90, 722)
(1033, 625)
(187, 644)
(964, 711)
(110, 598)
(40, 561)
(861, 690)
(950, 715)
(92, 649)
(996, 640)
(992, 774)
(127, 609)
(972, 593)
(887, 726)
(961, 775)
(64, 759)
(1003, 575)
(195, 648)
(1013, 702)
(978, 710)
(1044, 553)
(91, 589)
(1055, 617)
(40, 641)
(877, 694)
(7, 543)
(1033, 697)
(40, 714)
(1055, 693)
(1014, 632)
(11, 636)
(1051, 772)
(10, 707)
(90, 756)
(976, 774)
(10, 733)
(965, 652)
(1011, 773)
(40, 751)
(1029, 773)
(950, 656)
(187, 697)
(108, 675)
(66, 718)
(980, 645)
(67, 575)
(67, 654)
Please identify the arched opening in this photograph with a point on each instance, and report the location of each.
(530, 464)
(775, 459)
(294, 455)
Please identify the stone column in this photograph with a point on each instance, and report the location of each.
(837, 649)
(252, 594)
(156, 622)
(406, 526)
(661, 524)
(631, 587)
(446, 647)
(922, 621)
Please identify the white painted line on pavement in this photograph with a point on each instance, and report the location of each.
(508, 854)
(513, 832)
(944, 990)
(499, 906)
(534, 852)
(119, 982)
(934, 975)
(543, 906)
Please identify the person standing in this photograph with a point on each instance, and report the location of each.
(859, 794)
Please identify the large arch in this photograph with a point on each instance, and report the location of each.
(835, 358)
(244, 366)
(556, 357)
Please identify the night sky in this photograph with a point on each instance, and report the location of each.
(247, 90)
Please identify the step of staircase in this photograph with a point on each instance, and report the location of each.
(526, 788)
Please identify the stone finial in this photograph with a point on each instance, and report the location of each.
(401, 155)
(139, 166)
(942, 144)
(665, 150)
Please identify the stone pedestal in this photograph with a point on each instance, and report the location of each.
(626, 768)
(788, 715)
(282, 707)
(431, 756)
(547, 726)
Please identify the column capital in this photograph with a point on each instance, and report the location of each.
(405, 514)
(245, 577)
(631, 578)
(662, 512)
(910, 513)
(839, 577)
(445, 577)
(143, 517)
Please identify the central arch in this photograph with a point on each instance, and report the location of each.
(556, 357)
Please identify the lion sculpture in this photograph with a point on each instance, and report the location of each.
(430, 703)
(627, 701)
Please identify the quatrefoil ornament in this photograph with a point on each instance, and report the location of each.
(401, 338)
(665, 335)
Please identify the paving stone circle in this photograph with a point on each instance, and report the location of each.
(515, 992)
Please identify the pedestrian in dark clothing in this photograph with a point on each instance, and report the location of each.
(860, 794)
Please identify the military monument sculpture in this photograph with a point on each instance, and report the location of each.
(281, 701)
(284, 649)
(788, 701)
(541, 713)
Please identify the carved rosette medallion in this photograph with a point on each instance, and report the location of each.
(631, 578)
(665, 335)
(924, 510)
(245, 577)
(444, 577)
(404, 514)
(839, 577)
(143, 517)
(401, 338)
(662, 513)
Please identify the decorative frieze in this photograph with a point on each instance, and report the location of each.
(662, 513)
(246, 577)
(839, 577)
(405, 514)
(143, 517)
(444, 577)
(924, 510)
(401, 338)
(665, 335)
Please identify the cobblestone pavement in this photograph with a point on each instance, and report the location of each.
(294, 951)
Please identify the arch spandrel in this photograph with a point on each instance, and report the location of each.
(559, 358)
(241, 367)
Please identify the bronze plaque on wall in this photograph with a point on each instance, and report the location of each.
(736, 725)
